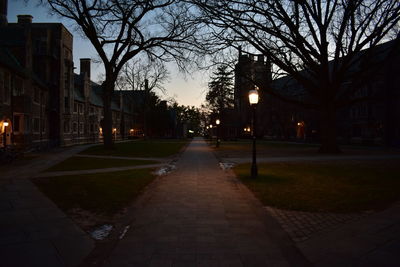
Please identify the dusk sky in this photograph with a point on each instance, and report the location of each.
(189, 91)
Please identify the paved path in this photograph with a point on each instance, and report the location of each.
(104, 170)
(200, 215)
(33, 231)
(309, 158)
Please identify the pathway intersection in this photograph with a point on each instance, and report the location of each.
(197, 215)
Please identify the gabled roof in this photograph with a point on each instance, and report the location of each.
(95, 97)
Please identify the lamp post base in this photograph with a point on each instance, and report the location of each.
(254, 170)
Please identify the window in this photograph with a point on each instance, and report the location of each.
(36, 95)
(66, 76)
(75, 107)
(75, 127)
(91, 110)
(7, 88)
(18, 87)
(1, 86)
(81, 127)
(66, 126)
(43, 125)
(41, 46)
(36, 125)
(66, 103)
(43, 98)
(91, 128)
(80, 109)
(27, 124)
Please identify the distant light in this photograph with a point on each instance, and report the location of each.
(211, 126)
(131, 130)
(190, 131)
(5, 123)
(217, 121)
(298, 124)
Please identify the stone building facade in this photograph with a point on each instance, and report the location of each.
(24, 101)
(42, 102)
(373, 121)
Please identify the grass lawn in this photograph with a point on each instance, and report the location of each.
(266, 148)
(325, 187)
(101, 193)
(240, 144)
(87, 163)
(242, 148)
(140, 148)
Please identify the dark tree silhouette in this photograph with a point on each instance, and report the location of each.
(220, 89)
(120, 30)
(318, 43)
(189, 115)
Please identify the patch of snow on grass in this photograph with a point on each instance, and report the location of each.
(165, 170)
(226, 165)
(101, 232)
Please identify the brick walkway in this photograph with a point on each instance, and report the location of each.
(200, 215)
(301, 225)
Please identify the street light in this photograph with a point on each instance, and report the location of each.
(5, 133)
(217, 122)
(253, 99)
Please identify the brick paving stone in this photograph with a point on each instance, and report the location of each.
(302, 225)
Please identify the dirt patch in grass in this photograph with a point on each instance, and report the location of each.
(338, 186)
(93, 199)
(88, 163)
(140, 148)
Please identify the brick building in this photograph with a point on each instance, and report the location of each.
(41, 99)
(375, 120)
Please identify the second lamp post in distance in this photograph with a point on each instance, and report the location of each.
(217, 122)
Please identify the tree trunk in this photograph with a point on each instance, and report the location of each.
(107, 121)
(328, 130)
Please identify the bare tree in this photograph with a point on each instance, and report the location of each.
(318, 43)
(135, 72)
(120, 30)
(143, 74)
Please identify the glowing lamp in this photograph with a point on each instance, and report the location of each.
(253, 97)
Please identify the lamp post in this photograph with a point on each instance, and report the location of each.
(217, 122)
(253, 99)
(5, 133)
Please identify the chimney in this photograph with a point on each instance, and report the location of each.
(24, 19)
(85, 66)
(3, 12)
